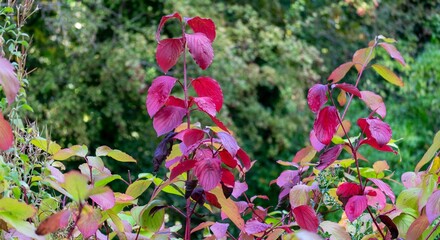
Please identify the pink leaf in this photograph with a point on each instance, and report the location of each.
(88, 222)
(205, 104)
(433, 206)
(229, 143)
(340, 72)
(375, 198)
(317, 97)
(54, 222)
(328, 157)
(356, 205)
(219, 229)
(228, 178)
(203, 25)
(254, 226)
(181, 168)
(385, 188)
(208, 87)
(158, 93)
(192, 136)
(376, 129)
(200, 48)
(56, 174)
(306, 218)
(239, 188)
(317, 145)
(8, 80)
(346, 190)
(167, 119)
(393, 52)
(411, 179)
(325, 124)
(174, 101)
(208, 171)
(374, 102)
(106, 199)
(228, 159)
(163, 21)
(288, 176)
(349, 88)
(168, 52)
(6, 135)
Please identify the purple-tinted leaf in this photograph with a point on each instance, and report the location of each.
(391, 226)
(163, 150)
(385, 188)
(317, 145)
(6, 135)
(376, 129)
(254, 226)
(229, 143)
(375, 197)
(325, 124)
(306, 218)
(105, 199)
(411, 179)
(56, 174)
(205, 104)
(433, 206)
(163, 20)
(393, 52)
(8, 80)
(209, 172)
(228, 159)
(219, 229)
(203, 25)
(317, 97)
(239, 188)
(88, 222)
(208, 87)
(328, 157)
(288, 176)
(192, 136)
(374, 102)
(181, 168)
(340, 72)
(167, 119)
(174, 101)
(219, 124)
(168, 52)
(349, 88)
(200, 48)
(356, 205)
(158, 93)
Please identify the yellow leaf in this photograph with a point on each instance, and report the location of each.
(430, 153)
(380, 166)
(229, 208)
(388, 75)
(45, 145)
(342, 98)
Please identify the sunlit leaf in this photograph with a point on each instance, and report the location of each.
(45, 145)
(340, 72)
(380, 166)
(16, 209)
(76, 184)
(299, 195)
(388, 75)
(430, 153)
(229, 208)
(304, 155)
(362, 57)
(342, 98)
(392, 50)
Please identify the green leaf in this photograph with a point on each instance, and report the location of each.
(403, 222)
(107, 180)
(115, 154)
(80, 150)
(408, 198)
(64, 154)
(102, 151)
(137, 188)
(14, 208)
(149, 220)
(46, 145)
(429, 184)
(388, 75)
(47, 207)
(22, 226)
(76, 184)
(430, 153)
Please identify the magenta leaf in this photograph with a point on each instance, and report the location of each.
(228, 178)
(158, 93)
(316, 144)
(328, 157)
(340, 72)
(385, 188)
(374, 102)
(167, 119)
(174, 101)
(192, 136)
(168, 52)
(88, 222)
(244, 157)
(306, 218)
(349, 88)
(239, 188)
(288, 176)
(219, 229)
(227, 159)
(6, 135)
(325, 124)
(181, 168)
(317, 97)
(254, 227)
(209, 172)
(393, 52)
(229, 143)
(356, 205)
(106, 199)
(375, 198)
(375, 129)
(8, 80)
(433, 206)
(205, 104)
(203, 25)
(346, 190)
(163, 20)
(208, 87)
(200, 48)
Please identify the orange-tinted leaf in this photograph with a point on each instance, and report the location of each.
(374, 102)
(418, 227)
(304, 155)
(54, 222)
(340, 72)
(229, 208)
(347, 125)
(360, 57)
(342, 98)
(380, 166)
(88, 222)
(6, 136)
(394, 53)
(388, 75)
(202, 226)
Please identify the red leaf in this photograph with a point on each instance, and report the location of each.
(356, 205)
(229, 143)
(205, 104)
(167, 119)
(203, 25)
(349, 88)
(168, 52)
(212, 199)
(219, 229)
(208, 87)
(245, 159)
(325, 124)
(6, 135)
(192, 136)
(385, 188)
(208, 171)
(158, 93)
(219, 124)
(8, 80)
(339, 72)
(239, 188)
(374, 102)
(328, 157)
(200, 48)
(54, 222)
(228, 159)
(254, 226)
(317, 97)
(162, 22)
(433, 206)
(228, 178)
(306, 218)
(105, 200)
(394, 53)
(181, 168)
(174, 101)
(317, 145)
(375, 129)
(346, 190)
(375, 145)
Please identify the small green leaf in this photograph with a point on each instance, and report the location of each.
(408, 198)
(120, 156)
(80, 150)
(107, 180)
(388, 75)
(403, 222)
(430, 153)
(14, 208)
(45, 145)
(76, 184)
(64, 154)
(137, 188)
(149, 220)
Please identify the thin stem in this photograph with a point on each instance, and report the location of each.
(375, 223)
(433, 230)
